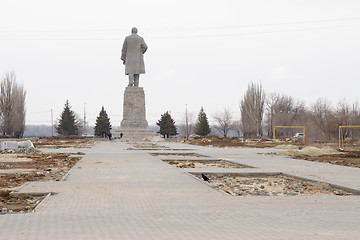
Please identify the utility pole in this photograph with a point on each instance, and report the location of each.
(52, 124)
(353, 121)
(271, 121)
(187, 124)
(84, 119)
(169, 124)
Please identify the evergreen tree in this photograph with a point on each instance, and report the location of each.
(167, 125)
(67, 123)
(202, 127)
(102, 125)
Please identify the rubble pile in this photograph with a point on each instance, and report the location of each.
(204, 164)
(21, 203)
(273, 185)
(310, 151)
(177, 155)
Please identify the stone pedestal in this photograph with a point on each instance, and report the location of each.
(134, 125)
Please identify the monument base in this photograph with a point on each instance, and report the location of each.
(134, 125)
(134, 134)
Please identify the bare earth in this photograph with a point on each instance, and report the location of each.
(17, 169)
(204, 164)
(177, 155)
(326, 154)
(276, 185)
(64, 143)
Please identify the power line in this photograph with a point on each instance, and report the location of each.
(189, 28)
(181, 37)
(52, 37)
(260, 24)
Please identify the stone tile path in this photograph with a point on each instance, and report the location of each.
(117, 193)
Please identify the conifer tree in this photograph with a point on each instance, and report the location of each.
(167, 125)
(102, 125)
(202, 127)
(67, 123)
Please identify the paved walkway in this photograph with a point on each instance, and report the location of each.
(118, 193)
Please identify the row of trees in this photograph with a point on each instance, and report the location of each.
(321, 119)
(69, 125)
(260, 112)
(168, 128)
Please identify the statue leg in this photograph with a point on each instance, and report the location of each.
(131, 80)
(136, 80)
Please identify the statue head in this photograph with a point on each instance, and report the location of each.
(134, 30)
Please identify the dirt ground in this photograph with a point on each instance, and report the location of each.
(17, 169)
(276, 185)
(328, 151)
(349, 159)
(232, 142)
(65, 143)
(147, 146)
(204, 164)
(19, 203)
(182, 155)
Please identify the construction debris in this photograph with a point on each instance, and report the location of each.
(310, 151)
(269, 185)
(204, 164)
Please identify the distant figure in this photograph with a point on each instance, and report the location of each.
(132, 55)
(110, 135)
(205, 177)
(121, 134)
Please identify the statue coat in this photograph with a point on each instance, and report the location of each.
(132, 54)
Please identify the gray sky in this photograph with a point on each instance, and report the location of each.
(201, 53)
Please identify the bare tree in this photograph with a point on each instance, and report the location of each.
(355, 114)
(224, 122)
(347, 115)
(283, 110)
(355, 119)
(343, 115)
(252, 110)
(80, 125)
(12, 106)
(238, 127)
(187, 126)
(324, 117)
(18, 116)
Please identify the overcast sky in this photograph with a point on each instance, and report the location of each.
(201, 53)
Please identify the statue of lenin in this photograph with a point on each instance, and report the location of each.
(132, 55)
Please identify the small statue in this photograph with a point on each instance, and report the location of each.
(132, 55)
